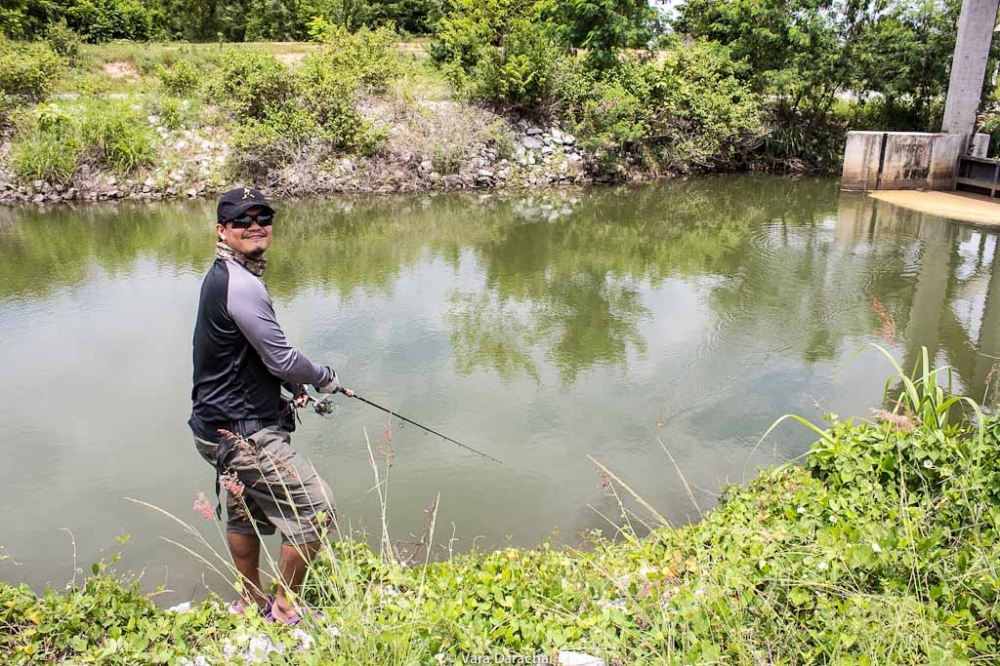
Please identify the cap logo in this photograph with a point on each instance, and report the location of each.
(247, 194)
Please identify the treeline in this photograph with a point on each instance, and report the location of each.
(210, 20)
(722, 84)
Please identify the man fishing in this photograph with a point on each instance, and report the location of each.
(241, 423)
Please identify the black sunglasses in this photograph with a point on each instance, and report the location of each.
(263, 219)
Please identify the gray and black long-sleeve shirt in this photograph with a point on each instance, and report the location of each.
(241, 356)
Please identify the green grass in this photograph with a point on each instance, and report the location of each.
(51, 142)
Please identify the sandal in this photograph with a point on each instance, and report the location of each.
(240, 606)
(295, 619)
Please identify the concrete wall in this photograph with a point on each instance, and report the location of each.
(861, 160)
(920, 161)
(901, 160)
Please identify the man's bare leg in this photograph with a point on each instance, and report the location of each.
(245, 549)
(292, 565)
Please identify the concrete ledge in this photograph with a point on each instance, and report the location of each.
(901, 160)
(862, 157)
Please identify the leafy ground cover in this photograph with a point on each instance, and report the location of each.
(880, 548)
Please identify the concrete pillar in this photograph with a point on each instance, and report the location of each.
(968, 66)
(980, 145)
(861, 160)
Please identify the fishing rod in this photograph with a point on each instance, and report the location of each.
(323, 407)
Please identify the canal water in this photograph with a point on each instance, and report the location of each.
(636, 327)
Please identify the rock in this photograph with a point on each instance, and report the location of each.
(71, 193)
(548, 150)
(38, 198)
(426, 165)
(568, 139)
(484, 173)
(37, 184)
(533, 131)
(531, 159)
(434, 177)
(149, 182)
(192, 193)
(531, 143)
(570, 658)
(556, 133)
(557, 140)
(146, 189)
(574, 157)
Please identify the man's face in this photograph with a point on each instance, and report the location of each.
(252, 241)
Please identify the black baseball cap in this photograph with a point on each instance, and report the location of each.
(234, 203)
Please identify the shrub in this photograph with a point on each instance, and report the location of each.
(46, 147)
(27, 70)
(253, 83)
(63, 40)
(114, 134)
(470, 28)
(368, 57)
(174, 113)
(260, 145)
(522, 69)
(688, 112)
(182, 78)
(328, 95)
(105, 20)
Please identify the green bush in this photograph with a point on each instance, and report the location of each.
(260, 145)
(27, 70)
(175, 113)
(522, 69)
(685, 113)
(50, 154)
(253, 84)
(105, 20)
(471, 29)
(181, 78)
(115, 135)
(63, 40)
(328, 95)
(368, 57)
(51, 143)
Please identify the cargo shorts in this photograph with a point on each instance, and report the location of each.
(270, 486)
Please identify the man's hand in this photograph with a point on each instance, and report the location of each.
(348, 392)
(301, 400)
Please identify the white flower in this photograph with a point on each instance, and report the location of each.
(801, 510)
(928, 464)
(833, 519)
(876, 548)
(822, 566)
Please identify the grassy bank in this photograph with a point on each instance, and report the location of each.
(880, 548)
(358, 111)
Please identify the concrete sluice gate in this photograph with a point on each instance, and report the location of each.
(901, 160)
